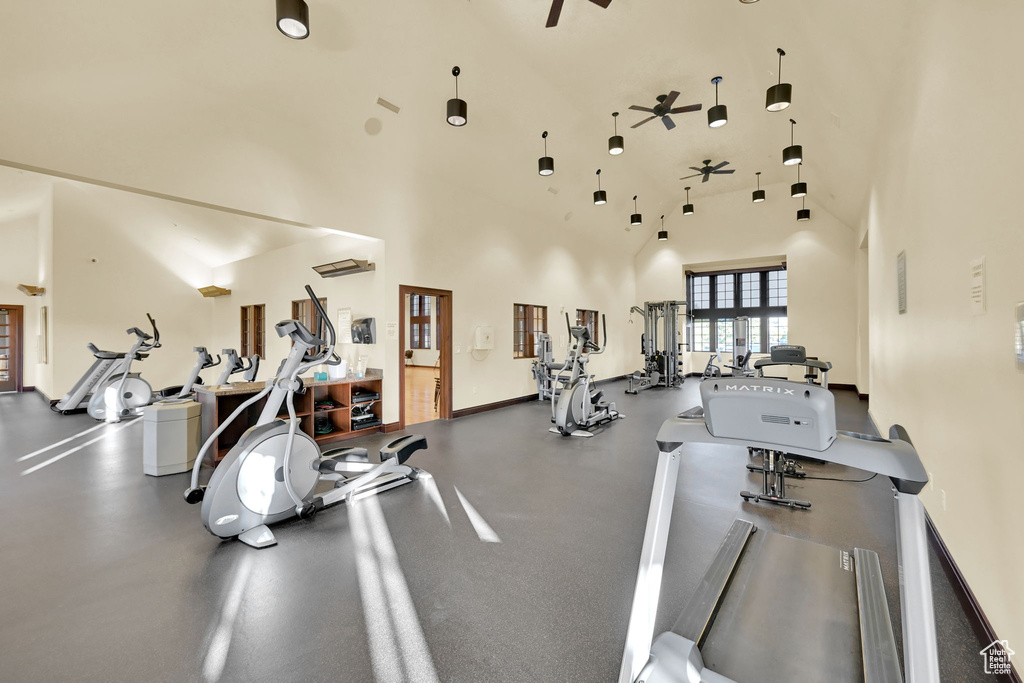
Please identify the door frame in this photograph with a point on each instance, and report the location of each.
(444, 407)
(17, 347)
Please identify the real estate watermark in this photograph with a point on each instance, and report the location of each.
(997, 657)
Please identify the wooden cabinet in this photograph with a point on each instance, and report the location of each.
(343, 409)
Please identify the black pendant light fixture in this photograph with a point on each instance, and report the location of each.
(687, 207)
(794, 154)
(663, 233)
(636, 218)
(293, 18)
(717, 115)
(758, 193)
(780, 95)
(545, 165)
(615, 142)
(803, 214)
(600, 196)
(798, 189)
(458, 112)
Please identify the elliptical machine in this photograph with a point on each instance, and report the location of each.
(125, 393)
(234, 365)
(545, 367)
(579, 407)
(272, 473)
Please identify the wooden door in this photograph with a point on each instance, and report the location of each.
(10, 348)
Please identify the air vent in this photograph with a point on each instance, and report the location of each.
(775, 419)
(346, 267)
(387, 105)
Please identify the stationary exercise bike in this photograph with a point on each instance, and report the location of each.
(579, 407)
(125, 394)
(273, 472)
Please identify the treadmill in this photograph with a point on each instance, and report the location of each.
(729, 631)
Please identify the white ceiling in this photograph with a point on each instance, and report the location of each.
(108, 87)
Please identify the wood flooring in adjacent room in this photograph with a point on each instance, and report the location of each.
(420, 383)
(512, 559)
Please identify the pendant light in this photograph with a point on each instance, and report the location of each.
(663, 233)
(293, 18)
(717, 115)
(615, 143)
(794, 154)
(545, 165)
(600, 196)
(779, 95)
(636, 218)
(758, 193)
(458, 112)
(687, 207)
(798, 189)
(803, 214)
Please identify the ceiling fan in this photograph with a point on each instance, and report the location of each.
(556, 10)
(663, 108)
(708, 170)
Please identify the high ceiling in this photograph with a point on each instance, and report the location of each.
(191, 97)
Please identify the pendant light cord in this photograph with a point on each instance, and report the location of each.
(792, 128)
(781, 53)
(634, 205)
(598, 180)
(758, 180)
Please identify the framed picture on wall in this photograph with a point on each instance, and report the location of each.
(43, 336)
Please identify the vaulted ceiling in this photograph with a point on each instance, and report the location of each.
(191, 97)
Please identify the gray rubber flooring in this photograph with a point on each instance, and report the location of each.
(108, 575)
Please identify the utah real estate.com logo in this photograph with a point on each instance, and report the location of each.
(997, 657)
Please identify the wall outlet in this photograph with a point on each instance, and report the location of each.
(942, 493)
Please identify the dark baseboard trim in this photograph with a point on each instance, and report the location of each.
(972, 608)
(27, 389)
(391, 427)
(613, 379)
(842, 387)
(473, 410)
(863, 397)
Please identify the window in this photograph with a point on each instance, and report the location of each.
(588, 319)
(419, 321)
(253, 325)
(306, 313)
(527, 322)
(718, 298)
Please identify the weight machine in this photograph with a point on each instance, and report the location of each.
(661, 351)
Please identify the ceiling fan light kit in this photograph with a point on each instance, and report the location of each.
(803, 214)
(687, 207)
(293, 18)
(545, 165)
(636, 218)
(458, 112)
(600, 196)
(615, 143)
(758, 193)
(718, 115)
(663, 233)
(780, 95)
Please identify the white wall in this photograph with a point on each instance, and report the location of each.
(821, 256)
(108, 272)
(946, 193)
(18, 265)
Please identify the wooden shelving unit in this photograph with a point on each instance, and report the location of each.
(219, 402)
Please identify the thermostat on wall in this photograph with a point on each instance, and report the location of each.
(483, 337)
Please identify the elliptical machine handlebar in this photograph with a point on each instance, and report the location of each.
(327, 351)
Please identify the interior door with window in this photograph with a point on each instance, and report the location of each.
(10, 348)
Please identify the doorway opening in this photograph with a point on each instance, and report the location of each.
(10, 348)
(425, 361)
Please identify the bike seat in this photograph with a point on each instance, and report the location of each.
(104, 355)
(403, 447)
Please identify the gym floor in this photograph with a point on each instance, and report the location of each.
(514, 561)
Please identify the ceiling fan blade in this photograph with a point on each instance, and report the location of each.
(670, 99)
(729, 170)
(687, 108)
(691, 176)
(669, 124)
(636, 108)
(643, 122)
(718, 166)
(603, 4)
(556, 11)
(698, 170)
(706, 177)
